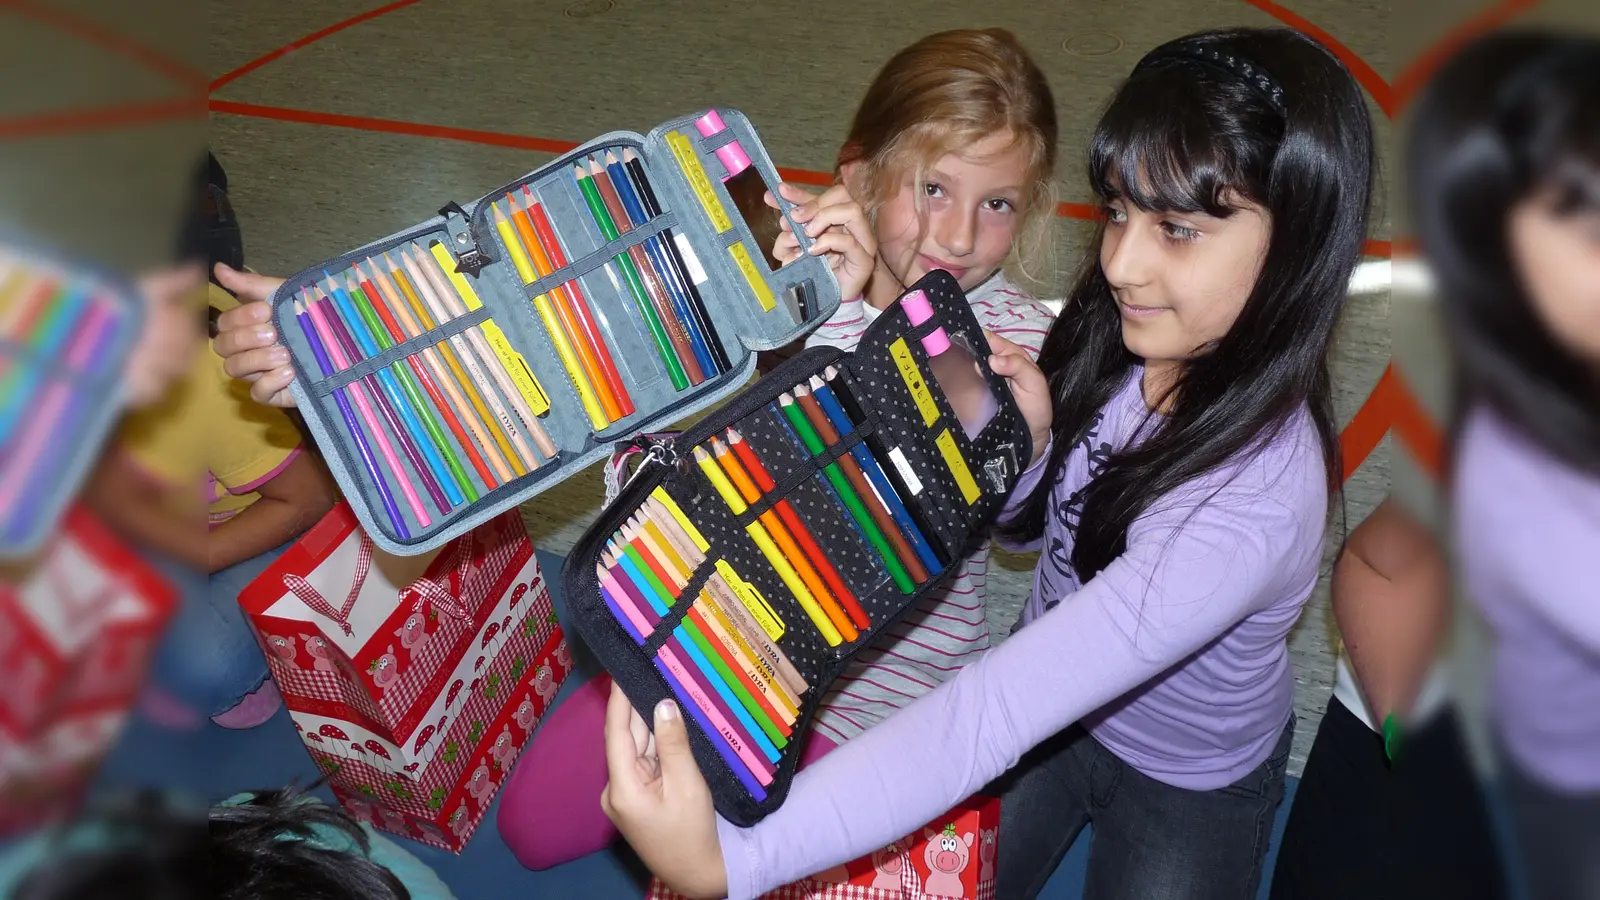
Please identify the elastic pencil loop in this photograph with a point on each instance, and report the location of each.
(784, 488)
(392, 355)
(589, 262)
(680, 606)
(717, 141)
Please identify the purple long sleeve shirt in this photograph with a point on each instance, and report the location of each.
(1174, 656)
(1528, 531)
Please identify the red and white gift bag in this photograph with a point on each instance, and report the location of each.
(406, 675)
(78, 623)
(950, 857)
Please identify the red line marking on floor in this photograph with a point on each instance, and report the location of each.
(106, 39)
(1368, 426)
(1415, 428)
(53, 124)
(1368, 77)
(309, 39)
(391, 126)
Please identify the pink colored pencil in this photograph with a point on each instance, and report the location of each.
(359, 394)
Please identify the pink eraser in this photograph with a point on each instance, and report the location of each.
(709, 124)
(936, 342)
(918, 308)
(733, 157)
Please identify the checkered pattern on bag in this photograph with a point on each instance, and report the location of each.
(388, 784)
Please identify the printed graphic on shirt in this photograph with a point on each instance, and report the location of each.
(1069, 514)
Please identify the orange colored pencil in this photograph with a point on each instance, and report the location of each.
(836, 586)
(572, 292)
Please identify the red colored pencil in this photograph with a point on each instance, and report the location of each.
(572, 292)
(791, 520)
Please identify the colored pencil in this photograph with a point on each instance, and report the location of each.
(454, 382)
(303, 317)
(480, 369)
(570, 295)
(628, 573)
(786, 543)
(737, 670)
(320, 311)
(696, 358)
(733, 750)
(868, 464)
(347, 321)
(683, 558)
(775, 557)
(647, 310)
(416, 382)
(652, 207)
(558, 335)
(434, 264)
(852, 470)
(630, 209)
(847, 495)
(802, 535)
(587, 356)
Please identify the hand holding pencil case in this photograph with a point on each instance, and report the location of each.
(460, 367)
(745, 563)
(66, 330)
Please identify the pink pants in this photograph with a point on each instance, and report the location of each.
(550, 806)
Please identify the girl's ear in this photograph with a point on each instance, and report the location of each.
(852, 174)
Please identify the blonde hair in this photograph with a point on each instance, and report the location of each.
(943, 94)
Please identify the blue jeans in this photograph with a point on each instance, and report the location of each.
(209, 659)
(1151, 841)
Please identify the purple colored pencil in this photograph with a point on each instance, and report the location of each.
(627, 584)
(342, 334)
(350, 424)
(683, 696)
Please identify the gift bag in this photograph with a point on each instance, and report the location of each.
(951, 857)
(395, 669)
(77, 625)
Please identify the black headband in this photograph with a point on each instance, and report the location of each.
(1241, 68)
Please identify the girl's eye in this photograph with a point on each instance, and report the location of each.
(933, 190)
(1114, 216)
(998, 204)
(1179, 232)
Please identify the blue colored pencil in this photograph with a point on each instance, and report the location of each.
(869, 464)
(348, 345)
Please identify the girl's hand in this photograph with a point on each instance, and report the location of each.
(659, 800)
(1028, 386)
(246, 340)
(840, 230)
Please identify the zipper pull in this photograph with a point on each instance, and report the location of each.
(470, 257)
(652, 450)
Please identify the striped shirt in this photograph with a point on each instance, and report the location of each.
(948, 628)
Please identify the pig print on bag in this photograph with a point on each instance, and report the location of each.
(947, 856)
(887, 864)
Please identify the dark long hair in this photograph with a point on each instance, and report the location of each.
(1511, 116)
(1267, 115)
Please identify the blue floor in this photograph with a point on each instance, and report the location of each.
(215, 763)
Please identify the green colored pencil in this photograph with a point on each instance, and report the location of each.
(608, 230)
(841, 486)
(408, 384)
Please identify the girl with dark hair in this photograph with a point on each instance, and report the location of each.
(1184, 453)
(1505, 190)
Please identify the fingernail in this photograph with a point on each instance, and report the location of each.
(265, 334)
(666, 711)
(280, 356)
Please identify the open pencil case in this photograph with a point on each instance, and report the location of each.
(457, 368)
(66, 330)
(680, 586)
